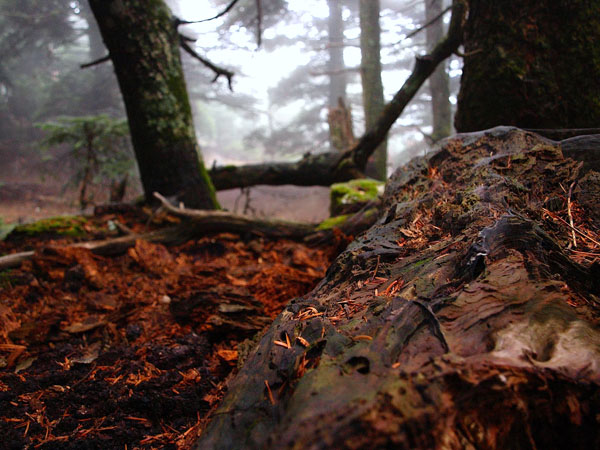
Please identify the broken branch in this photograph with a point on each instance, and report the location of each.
(219, 71)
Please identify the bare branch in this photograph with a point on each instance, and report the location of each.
(222, 13)
(219, 71)
(424, 67)
(95, 62)
(429, 23)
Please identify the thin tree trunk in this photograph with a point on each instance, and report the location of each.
(438, 82)
(372, 86)
(144, 47)
(336, 65)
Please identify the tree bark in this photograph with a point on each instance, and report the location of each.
(439, 85)
(372, 86)
(336, 67)
(532, 64)
(144, 47)
(462, 319)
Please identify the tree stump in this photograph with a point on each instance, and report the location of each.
(464, 318)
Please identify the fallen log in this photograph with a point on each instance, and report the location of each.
(464, 318)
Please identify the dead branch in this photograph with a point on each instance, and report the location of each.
(424, 67)
(219, 71)
(95, 62)
(221, 14)
(428, 23)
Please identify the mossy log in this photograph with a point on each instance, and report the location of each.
(461, 319)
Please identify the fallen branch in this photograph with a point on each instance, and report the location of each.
(207, 221)
(312, 170)
(200, 223)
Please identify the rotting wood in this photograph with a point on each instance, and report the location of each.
(491, 340)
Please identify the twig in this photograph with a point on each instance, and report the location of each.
(581, 233)
(570, 214)
(270, 394)
(222, 13)
(95, 62)
(216, 69)
(376, 269)
(428, 23)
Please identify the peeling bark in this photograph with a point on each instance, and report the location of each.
(461, 319)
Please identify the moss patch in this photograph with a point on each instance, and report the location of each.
(350, 196)
(72, 226)
(333, 222)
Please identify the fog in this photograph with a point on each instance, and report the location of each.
(276, 110)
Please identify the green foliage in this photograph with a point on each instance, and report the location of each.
(100, 149)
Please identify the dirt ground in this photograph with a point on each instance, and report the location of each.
(24, 201)
(134, 351)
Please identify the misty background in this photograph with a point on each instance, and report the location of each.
(276, 111)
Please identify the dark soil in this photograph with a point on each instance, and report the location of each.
(134, 351)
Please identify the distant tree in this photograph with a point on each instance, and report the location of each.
(439, 85)
(143, 43)
(372, 86)
(533, 64)
(99, 150)
(336, 66)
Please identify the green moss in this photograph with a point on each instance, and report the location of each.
(333, 222)
(64, 226)
(354, 191)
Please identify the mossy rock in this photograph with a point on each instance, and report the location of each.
(351, 196)
(63, 226)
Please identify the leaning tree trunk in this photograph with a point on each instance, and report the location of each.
(462, 319)
(533, 64)
(370, 74)
(144, 47)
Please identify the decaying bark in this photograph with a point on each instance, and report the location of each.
(462, 319)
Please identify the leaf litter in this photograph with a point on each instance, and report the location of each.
(134, 351)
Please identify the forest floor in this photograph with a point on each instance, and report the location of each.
(134, 351)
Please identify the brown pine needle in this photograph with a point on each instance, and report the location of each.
(270, 394)
(570, 214)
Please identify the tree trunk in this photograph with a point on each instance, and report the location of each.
(533, 64)
(439, 85)
(144, 47)
(370, 72)
(462, 319)
(336, 66)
